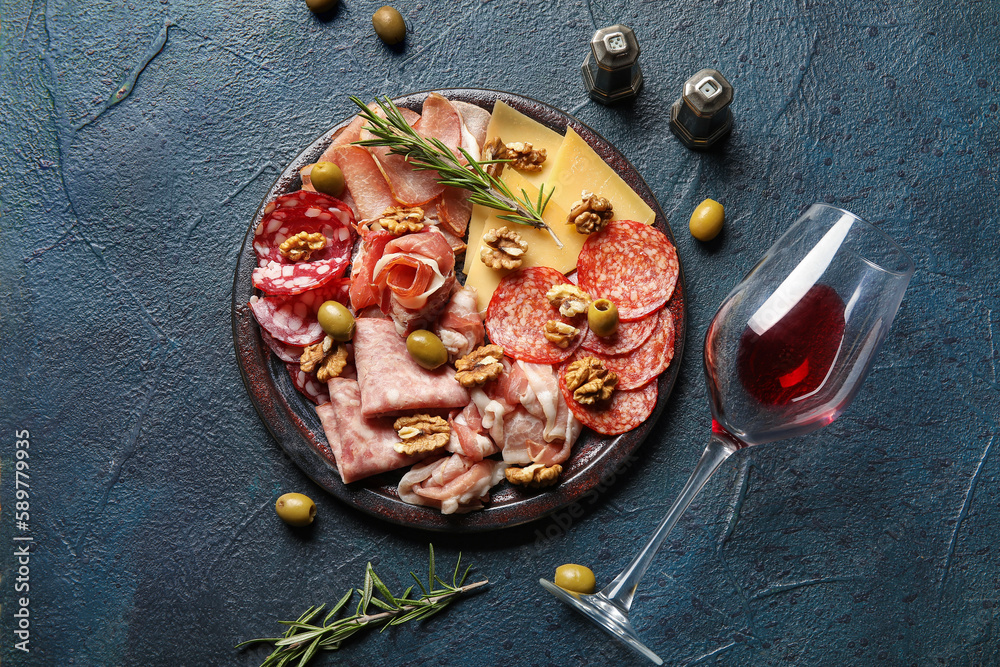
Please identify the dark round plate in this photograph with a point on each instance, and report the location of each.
(292, 421)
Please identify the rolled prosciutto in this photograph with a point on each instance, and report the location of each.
(363, 447)
(392, 382)
(453, 484)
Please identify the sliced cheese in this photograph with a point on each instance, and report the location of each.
(577, 167)
(542, 249)
(511, 125)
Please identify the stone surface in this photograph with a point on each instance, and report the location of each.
(137, 140)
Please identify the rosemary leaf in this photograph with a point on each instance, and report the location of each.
(303, 640)
(430, 154)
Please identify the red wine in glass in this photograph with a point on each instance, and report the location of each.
(785, 354)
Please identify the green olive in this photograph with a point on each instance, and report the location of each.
(602, 316)
(336, 321)
(389, 25)
(575, 578)
(322, 7)
(707, 219)
(327, 178)
(296, 509)
(426, 349)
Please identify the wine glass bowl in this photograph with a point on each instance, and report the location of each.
(793, 341)
(784, 355)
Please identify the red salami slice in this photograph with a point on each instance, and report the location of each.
(301, 198)
(335, 223)
(307, 383)
(291, 353)
(288, 279)
(292, 319)
(630, 335)
(626, 409)
(633, 264)
(646, 362)
(518, 312)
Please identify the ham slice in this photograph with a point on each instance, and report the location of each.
(362, 447)
(392, 382)
(460, 327)
(453, 484)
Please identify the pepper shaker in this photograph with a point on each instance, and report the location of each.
(611, 70)
(701, 117)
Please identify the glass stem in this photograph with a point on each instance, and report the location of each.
(621, 591)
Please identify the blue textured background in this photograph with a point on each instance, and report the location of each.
(139, 137)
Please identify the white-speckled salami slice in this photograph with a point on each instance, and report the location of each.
(629, 336)
(292, 319)
(334, 221)
(285, 352)
(288, 279)
(645, 362)
(626, 409)
(308, 385)
(632, 264)
(301, 198)
(518, 312)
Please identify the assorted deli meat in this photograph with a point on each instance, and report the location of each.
(516, 369)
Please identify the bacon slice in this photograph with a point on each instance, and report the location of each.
(392, 382)
(362, 447)
(460, 327)
(454, 484)
(468, 435)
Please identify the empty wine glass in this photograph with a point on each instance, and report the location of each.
(784, 355)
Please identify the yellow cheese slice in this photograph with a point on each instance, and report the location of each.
(542, 249)
(577, 167)
(512, 125)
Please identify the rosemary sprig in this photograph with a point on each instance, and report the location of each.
(304, 639)
(430, 154)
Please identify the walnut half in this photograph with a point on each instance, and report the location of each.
(480, 366)
(301, 246)
(534, 476)
(503, 249)
(560, 333)
(590, 214)
(421, 433)
(569, 299)
(522, 155)
(590, 381)
(327, 358)
(399, 220)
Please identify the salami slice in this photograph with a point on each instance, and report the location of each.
(646, 362)
(335, 223)
(288, 279)
(290, 353)
(301, 198)
(629, 336)
(626, 409)
(632, 264)
(308, 385)
(292, 319)
(518, 312)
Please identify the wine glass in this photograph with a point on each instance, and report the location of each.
(784, 355)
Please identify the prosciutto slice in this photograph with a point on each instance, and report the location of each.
(440, 120)
(475, 121)
(413, 279)
(362, 447)
(468, 436)
(365, 180)
(392, 382)
(460, 327)
(454, 484)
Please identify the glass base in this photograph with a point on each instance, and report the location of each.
(601, 611)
